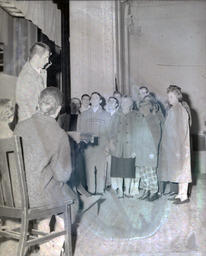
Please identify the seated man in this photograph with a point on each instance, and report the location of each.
(47, 154)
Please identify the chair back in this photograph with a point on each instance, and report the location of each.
(13, 187)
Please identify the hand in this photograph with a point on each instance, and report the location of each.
(112, 146)
(107, 151)
(133, 155)
(75, 136)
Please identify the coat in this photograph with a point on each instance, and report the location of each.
(122, 134)
(174, 159)
(29, 85)
(47, 160)
(155, 126)
(131, 136)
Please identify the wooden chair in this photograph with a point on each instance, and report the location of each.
(9, 208)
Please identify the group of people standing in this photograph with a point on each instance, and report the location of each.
(134, 147)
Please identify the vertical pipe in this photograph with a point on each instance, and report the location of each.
(65, 52)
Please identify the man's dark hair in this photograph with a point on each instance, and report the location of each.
(144, 87)
(85, 95)
(39, 49)
(75, 98)
(97, 93)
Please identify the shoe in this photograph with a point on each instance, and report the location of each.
(153, 197)
(172, 193)
(128, 196)
(166, 193)
(108, 188)
(182, 202)
(173, 198)
(160, 194)
(145, 195)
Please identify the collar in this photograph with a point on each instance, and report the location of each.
(113, 112)
(39, 115)
(95, 109)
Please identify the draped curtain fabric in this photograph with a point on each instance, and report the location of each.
(3, 24)
(45, 15)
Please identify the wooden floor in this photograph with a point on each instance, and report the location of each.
(127, 227)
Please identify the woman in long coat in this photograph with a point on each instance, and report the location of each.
(174, 160)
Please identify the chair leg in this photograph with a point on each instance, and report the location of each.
(23, 239)
(68, 237)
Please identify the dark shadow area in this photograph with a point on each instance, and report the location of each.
(53, 72)
(196, 141)
(13, 124)
(194, 129)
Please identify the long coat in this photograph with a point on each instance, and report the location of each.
(29, 85)
(122, 134)
(174, 160)
(131, 135)
(47, 160)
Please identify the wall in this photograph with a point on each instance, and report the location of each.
(167, 45)
(92, 47)
(7, 86)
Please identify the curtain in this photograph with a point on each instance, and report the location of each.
(45, 15)
(17, 36)
(4, 19)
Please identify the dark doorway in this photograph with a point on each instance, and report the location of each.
(54, 71)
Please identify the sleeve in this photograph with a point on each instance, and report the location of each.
(107, 128)
(181, 131)
(26, 95)
(61, 161)
(185, 125)
(186, 106)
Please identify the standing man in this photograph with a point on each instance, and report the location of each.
(32, 80)
(95, 122)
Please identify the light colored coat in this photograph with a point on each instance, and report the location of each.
(174, 160)
(29, 85)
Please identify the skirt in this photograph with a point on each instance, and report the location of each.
(122, 167)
